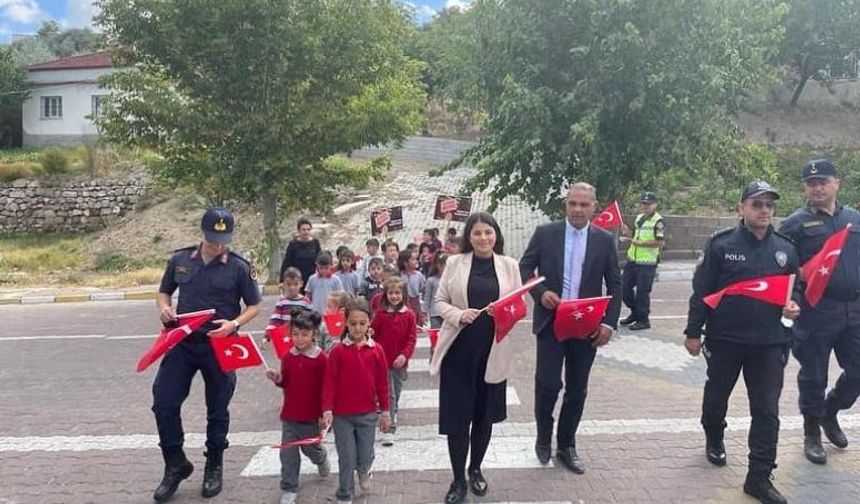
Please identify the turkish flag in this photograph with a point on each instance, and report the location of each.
(434, 337)
(334, 323)
(511, 308)
(579, 318)
(169, 337)
(772, 289)
(235, 352)
(609, 218)
(281, 340)
(819, 268)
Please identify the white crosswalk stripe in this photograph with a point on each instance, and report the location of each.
(647, 352)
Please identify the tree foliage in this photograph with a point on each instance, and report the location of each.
(14, 89)
(51, 42)
(245, 100)
(819, 33)
(614, 92)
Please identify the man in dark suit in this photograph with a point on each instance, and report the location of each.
(576, 258)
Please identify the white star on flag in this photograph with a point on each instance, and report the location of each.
(510, 309)
(824, 271)
(228, 353)
(578, 315)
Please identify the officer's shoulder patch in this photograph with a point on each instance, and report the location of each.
(813, 223)
(254, 273)
(659, 224)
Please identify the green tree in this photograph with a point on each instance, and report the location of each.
(614, 92)
(246, 100)
(819, 33)
(15, 90)
(31, 50)
(74, 41)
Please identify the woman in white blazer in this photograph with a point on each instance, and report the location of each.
(472, 366)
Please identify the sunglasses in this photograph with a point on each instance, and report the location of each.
(759, 204)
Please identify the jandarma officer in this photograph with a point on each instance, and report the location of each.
(744, 334)
(648, 237)
(208, 275)
(834, 323)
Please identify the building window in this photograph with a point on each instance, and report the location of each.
(51, 107)
(97, 102)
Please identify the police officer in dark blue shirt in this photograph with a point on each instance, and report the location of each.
(743, 334)
(208, 275)
(834, 323)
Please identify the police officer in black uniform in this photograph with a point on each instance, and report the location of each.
(208, 275)
(744, 334)
(834, 323)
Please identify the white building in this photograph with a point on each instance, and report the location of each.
(64, 98)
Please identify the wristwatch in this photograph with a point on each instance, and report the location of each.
(235, 323)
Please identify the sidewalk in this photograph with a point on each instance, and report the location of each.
(670, 271)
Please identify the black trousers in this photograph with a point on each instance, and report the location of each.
(172, 385)
(576, 357)
(637, 281)
(763, 367)
(830, 326)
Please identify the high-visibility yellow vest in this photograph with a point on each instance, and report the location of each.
(645, 232)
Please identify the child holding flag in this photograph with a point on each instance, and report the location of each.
(395, 329)
(355, 391)
(301, 377)
(291, 298)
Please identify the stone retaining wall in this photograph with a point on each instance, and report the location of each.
(40, 206)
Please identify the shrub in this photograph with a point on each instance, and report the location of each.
(55, 161)
(112, 260)
(18, 169)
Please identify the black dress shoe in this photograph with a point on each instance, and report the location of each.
(629, 319)
(543, 452)
(638, 326)
(569, 458)
(812, 441)
(833, 431)
(176, 469)
(477, 483)
(212, 474)
(760, 487)
(456, 493)
(715, 450)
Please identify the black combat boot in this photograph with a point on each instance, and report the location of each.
(212, 473)
(832, 430)
(759, 486)
(176, 469)
(812, 440)
(715, 448)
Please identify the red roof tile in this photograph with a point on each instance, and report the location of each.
(83, 61)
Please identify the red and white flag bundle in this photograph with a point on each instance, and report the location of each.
(609, 218)
(510, 309)
(579, 318)
(235, 352)
(774, 289)
(334, 323)
(281, 340)
(302, 442)
(169, 337)
(819, 268)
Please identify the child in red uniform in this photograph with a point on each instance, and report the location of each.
(394, 328)
(355, 389)
(301, 377)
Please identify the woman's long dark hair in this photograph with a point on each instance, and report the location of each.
(489, 220)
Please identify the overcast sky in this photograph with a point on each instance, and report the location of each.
(25, 16)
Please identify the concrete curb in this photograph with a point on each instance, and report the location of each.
(266, 290)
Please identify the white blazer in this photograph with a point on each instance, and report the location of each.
(452, 300)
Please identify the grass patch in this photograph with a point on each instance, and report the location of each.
(42, 253)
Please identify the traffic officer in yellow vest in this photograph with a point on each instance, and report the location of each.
(642, 257)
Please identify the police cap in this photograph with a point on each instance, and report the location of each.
(648, 197)
(217, 225)
(818, 168)
(758, 188)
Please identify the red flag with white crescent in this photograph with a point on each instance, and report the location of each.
(771, 289)
(510, 308)
(235, 352)
(169, 337)
(334, 323)
(579, 318)
(609, 218)
(819, 268)
(281, 340)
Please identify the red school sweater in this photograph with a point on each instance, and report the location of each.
(302, 377)
(356, 379)
(396, 332)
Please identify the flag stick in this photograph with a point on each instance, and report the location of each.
(790, 288)
(262, 357)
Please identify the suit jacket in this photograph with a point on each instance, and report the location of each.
(452, 299)
(545, 253)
